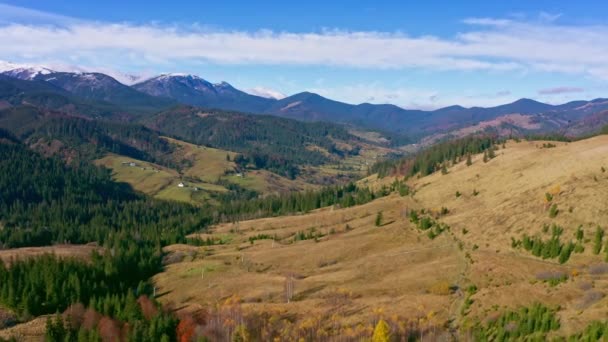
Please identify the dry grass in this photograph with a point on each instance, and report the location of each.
(208, 164)
(32, 331)
(356, 268)
(391, 267)
(399, 269)
(145, 177)
(511, 202)
(77, 251)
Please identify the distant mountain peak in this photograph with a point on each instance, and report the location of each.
(450, 108)
(28, 73)
(176, 75)
(526, 100)
(223, 85)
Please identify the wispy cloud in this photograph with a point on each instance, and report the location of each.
(410, 97)
(15, 14)
(487, 21)
(560, 90)
(491, 44)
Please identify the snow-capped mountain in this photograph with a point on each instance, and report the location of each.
(23, 71)
(194, 90)
(88, 85)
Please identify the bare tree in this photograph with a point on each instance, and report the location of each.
(289, 287)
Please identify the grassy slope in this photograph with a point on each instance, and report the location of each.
(392, 267)
(512, 201)
(208, 165)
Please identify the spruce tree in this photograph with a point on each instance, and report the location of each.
(597, 241)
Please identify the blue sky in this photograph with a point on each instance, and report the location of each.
(413, 54)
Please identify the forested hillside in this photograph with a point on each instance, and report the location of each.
(44, 201)
(279, 145)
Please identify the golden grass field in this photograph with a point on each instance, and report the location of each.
(78, 251)
(400, 270)
(32, 331)
(206, 166)
(391, 267)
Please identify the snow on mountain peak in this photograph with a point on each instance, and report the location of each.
(6, 66)
(222, 84)
(23, 71)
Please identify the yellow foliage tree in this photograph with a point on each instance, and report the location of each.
(241, 334)
(381, 332)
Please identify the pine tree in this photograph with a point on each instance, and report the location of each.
(553, 211)
(469, 161)
(597, 243)
(381, 332)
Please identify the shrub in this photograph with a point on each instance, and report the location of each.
(553, 211)
(442, 288)
(378, 219)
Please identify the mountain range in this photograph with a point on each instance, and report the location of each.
(161, 92)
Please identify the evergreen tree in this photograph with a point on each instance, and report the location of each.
(378, 221)
(597, 240)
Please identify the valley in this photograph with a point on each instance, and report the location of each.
(170, 208)
(354, 270)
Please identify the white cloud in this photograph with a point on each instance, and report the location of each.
(266, 92)
(487, 21)
(410, 98)
(490, 44)
(495, 45)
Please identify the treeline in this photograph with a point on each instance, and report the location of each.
(131, 140)
(528, 323)
(273, 163)
(47, 284)
(44, 201)
(86, 138)
(433, 158)
(114, 318)
(299, 202)
(551, 248)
